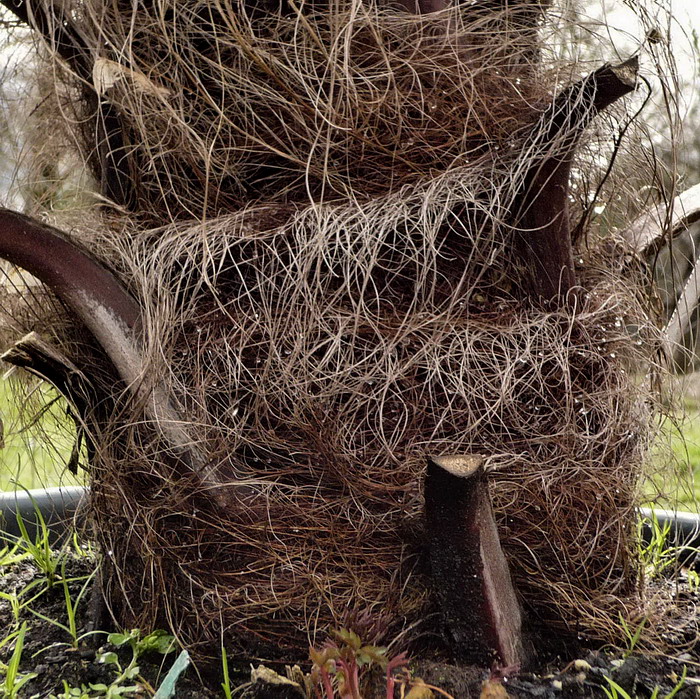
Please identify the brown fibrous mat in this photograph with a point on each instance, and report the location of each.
(322, 243)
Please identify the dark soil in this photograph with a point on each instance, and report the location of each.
(49, 652)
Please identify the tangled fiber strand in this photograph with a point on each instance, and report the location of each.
(322, 241)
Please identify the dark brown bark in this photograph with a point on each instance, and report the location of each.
(38, 357)
(542, 218)
(73, 275)
(471, 580)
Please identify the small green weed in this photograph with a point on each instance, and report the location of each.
(656, 556)
(127, 680)
(14, 681)
(71, 628)
(38, 548)
(156, 642)
(13, 600)
(675, 690)
(69, 692)
(340, 663)
(9, 555)
(226, 684)
(631, 636)
(615, 691)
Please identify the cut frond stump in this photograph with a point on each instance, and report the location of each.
(469, 572)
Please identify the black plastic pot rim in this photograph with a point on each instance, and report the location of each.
(60, 510)
(683, 535)
(58, 507)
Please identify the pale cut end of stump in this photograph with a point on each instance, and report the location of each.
(472, 583)
(461, 466)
